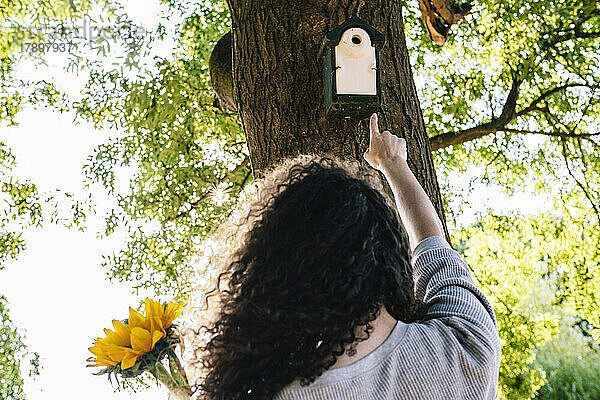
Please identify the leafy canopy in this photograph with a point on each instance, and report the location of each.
(513, 96)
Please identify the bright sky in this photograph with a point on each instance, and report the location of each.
(58, 294)
(56, 289)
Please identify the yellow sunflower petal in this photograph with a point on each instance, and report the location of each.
(104, 341)
(122, 333)
(169, 309)
(106, 354)
(116, 353)
(98, 362)
(141, 340)
(156, 336)
(154, 309)
(129, 360)
(155, 315)
(99, 348)
(156, 325)
(172, 311)
(119, 337)
(96, 349)
(137, 320)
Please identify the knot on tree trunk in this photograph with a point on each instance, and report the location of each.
(221, 75)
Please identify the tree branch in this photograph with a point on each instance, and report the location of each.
(480, 131)
(554, 134)
(508, 114)
(509, 109)
(205, 195)
(575, 33)
(570, 35)
(583, 189)
(241, 188)
(496, 124)
(545, 95)
(235, 170)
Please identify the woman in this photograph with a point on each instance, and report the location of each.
(329, 297)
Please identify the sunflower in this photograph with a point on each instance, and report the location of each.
(137, 337)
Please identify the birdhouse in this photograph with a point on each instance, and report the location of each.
(351, 73)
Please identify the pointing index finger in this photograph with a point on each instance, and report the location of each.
(374, 124)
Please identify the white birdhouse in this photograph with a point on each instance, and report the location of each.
(355, 64)
(351, 75)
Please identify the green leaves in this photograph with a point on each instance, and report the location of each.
(572, 366)
(12, 352)
(188, 157)
(516, 87)
(20, 207)
(540, 45)
(534, 270)
(543, 46)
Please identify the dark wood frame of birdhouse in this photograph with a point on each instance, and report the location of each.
(349, 105)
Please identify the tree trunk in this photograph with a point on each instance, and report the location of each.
(278, 83)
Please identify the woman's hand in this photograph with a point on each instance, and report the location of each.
(387, 153)
(384, 148)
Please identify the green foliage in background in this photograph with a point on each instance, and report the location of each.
(571, 362)
(514, 97)
(517, 88)
(19, 202)
(525, 265)
(19, 209)
(12, 351)
(29, 21)
(189, 157)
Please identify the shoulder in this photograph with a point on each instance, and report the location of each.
(458, 340)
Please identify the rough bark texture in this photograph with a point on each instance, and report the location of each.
(279, 85)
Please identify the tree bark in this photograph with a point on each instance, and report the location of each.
(278, 84)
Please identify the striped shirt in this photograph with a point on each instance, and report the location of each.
(453, 354)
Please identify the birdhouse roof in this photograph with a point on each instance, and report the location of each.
(333, 37)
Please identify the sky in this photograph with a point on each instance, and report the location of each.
(56, 289)
(58, 295)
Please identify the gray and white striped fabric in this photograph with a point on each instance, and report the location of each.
(455, 354)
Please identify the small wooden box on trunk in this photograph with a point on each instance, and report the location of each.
(351, 74)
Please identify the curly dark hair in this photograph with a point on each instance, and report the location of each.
(324, 251)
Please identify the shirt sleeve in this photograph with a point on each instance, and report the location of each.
(444, 282)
